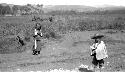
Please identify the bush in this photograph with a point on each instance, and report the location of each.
(27, 39)
(50, 35)
(83, 26)
(117, 23)
(53, 35)
(10, 45)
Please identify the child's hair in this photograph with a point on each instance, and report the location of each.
(37, 26)
(96, 41)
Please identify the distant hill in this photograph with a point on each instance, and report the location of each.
(79, 8)
(85, 9)
(59, 9)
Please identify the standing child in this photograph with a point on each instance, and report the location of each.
(37, 39)
(99, 51)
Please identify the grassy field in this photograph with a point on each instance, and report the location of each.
(65, 43)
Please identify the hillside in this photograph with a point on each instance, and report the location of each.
(79, 8)
(58, 9)
(82, 8)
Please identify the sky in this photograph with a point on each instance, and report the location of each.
(67, 2)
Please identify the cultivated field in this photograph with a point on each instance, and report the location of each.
(65, 43)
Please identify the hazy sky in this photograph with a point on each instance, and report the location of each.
(67, 2)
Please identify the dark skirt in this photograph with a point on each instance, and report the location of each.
(39, 46)
(96, 62)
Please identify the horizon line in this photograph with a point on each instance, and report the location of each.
(103, 5)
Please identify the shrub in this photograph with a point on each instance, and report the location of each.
(27, 38)
(83, 26)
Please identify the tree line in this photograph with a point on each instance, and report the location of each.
(17, 9)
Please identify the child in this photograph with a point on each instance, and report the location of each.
(37, 36)
(99, 51)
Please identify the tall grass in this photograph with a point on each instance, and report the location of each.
(61, 24)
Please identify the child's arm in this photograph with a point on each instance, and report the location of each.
(105, 50)
(92, 49)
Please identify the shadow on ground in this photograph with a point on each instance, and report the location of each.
(84, 70)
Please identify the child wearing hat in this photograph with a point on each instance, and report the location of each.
(98, 51)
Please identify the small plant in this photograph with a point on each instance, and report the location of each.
(27, 38)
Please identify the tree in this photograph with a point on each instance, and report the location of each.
(7, 10)
(1, 7)
(15, 9)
